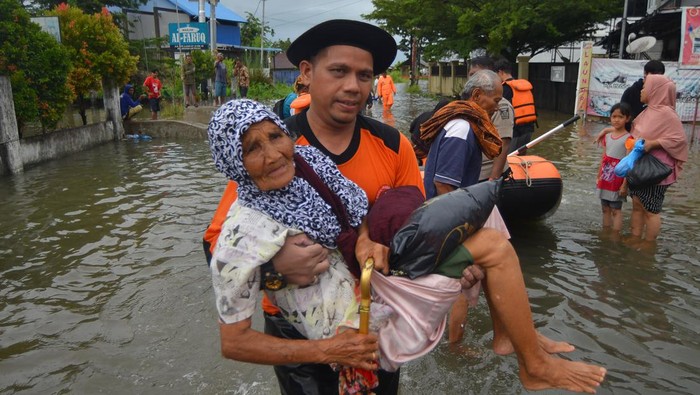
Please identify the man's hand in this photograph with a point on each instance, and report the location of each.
(300, 260)
(366, 248)
(470, 276)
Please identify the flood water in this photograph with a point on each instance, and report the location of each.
(104, 287)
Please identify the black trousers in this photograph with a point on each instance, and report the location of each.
(315, 379)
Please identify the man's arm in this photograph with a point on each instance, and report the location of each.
(499, 162)
(443, 188)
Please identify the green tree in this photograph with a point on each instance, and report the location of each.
(282, 44)
(88, 6)
(37, 66)
(505, 27)
(97, 49)
(250, 32)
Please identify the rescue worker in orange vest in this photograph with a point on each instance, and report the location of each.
(519, 94)
(386, 90)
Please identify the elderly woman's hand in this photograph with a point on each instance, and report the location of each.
(352, 349)
(300, 260)
(242, 343)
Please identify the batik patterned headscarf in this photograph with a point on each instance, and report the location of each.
(298, 205)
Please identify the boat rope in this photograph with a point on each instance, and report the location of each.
(526, 165)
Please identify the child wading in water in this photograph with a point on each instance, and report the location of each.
(611, 189)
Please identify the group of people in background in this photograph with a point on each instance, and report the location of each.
(240, 80)
(647, 111)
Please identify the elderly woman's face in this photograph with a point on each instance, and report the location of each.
(267, 156)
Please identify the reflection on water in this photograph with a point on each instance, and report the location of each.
(103, 286)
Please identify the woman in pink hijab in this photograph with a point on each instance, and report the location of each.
(664, 137)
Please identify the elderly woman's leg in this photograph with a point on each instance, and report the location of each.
(510, 310)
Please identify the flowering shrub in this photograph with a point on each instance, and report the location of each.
(37, 66)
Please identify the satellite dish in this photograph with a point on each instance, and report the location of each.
(641, 44)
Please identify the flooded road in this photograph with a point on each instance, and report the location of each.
(104, 287)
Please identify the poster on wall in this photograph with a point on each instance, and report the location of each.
(690, 37)
(610, 78)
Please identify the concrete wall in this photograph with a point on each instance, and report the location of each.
(16, 153)
(64, 142)
(168, 129)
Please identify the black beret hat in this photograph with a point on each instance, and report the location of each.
(363, 35)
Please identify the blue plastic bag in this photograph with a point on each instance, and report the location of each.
(627, 163)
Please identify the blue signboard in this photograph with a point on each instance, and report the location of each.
(188, 35)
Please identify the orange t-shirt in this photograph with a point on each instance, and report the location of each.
(379, 157)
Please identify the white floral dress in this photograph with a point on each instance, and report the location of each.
(249, 239)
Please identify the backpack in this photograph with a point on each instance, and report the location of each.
(278, 108)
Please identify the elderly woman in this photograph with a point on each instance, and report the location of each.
(664, 138)
(251, 146)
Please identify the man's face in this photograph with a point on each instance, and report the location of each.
(339, 81)
(188, 59)
(131, 91)
(488, 100)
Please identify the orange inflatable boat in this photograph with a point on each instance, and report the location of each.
(532, 190)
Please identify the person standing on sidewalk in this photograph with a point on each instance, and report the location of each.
(153, 87)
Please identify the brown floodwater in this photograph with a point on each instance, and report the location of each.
(104, 287)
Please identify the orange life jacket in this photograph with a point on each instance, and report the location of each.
(523, 102)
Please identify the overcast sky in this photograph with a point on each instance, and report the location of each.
(290, 18)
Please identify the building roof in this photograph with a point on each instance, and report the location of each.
(281, 61)
(190, 8)
(222, 12)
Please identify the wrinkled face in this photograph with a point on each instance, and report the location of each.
(339, 79)
(268, 156)
(488, 100)
(617, 119)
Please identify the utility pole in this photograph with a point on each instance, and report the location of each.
(262, 36)
(622, 30)
(212, 23)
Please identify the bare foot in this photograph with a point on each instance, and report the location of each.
(503, 346)
(563, 374)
